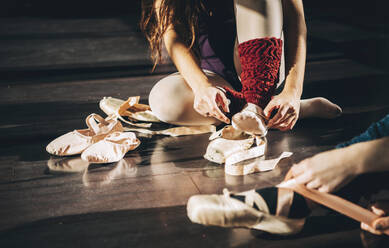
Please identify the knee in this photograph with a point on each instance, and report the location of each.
(169, 98)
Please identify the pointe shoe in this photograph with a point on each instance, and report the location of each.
(247, 209)
(250, 120)
(111, 149)
(77, 141)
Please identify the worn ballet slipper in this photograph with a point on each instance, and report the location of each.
(67, 165)
(111, 149)
(266, 210)
(260, 62)
(77, 141)
(319, 107)
(231, 146)
(130, 108)
(220, 148)
(250, 120)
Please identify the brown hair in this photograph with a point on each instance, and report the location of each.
(182, 14)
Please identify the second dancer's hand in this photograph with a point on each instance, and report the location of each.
(328, 171)
(211, 102)
(287, 106)
(381, 226)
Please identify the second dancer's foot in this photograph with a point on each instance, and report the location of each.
(250, 120)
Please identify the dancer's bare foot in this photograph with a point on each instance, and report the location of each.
(319, 107)
(250, 120)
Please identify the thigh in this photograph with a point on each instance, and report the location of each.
(258, 19)
(171, 100)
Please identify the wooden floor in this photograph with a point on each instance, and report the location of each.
(55, 70)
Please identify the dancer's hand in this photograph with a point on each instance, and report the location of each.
(207, 101)
(288, 107)
(327, 171)
(381, 226)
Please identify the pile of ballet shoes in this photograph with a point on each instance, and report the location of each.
(104, 141)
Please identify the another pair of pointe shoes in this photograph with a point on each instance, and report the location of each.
(77, 141)
(250, 120)
(276, 211)
(102, 142)
(111, 149)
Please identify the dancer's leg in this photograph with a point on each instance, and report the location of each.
(264, 18)
(171, 100)
(259, 29)
(258, 19)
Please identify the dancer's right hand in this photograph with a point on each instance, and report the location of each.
(207, 101)
(380, 226)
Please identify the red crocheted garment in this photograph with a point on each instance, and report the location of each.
(260, 62)
(237, 101)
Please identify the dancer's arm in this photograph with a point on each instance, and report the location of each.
(207, 97)
(328, 171)
(288, 101)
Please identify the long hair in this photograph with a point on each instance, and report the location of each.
(183, 15)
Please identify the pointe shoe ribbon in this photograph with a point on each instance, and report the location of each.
(77, 141)
(130, 108)
(247, 167)
(111, 149)
(334, 202)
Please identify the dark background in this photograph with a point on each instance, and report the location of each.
(24, 23)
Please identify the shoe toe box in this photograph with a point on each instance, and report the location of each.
(68, 144)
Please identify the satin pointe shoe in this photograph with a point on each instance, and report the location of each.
(111, 149)
(250, 120)
(77, 141)
(273, 210)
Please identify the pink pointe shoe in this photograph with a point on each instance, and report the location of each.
(77, 141)
(111, 149)
(250, 120)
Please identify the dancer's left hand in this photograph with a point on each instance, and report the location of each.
(288, 107)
